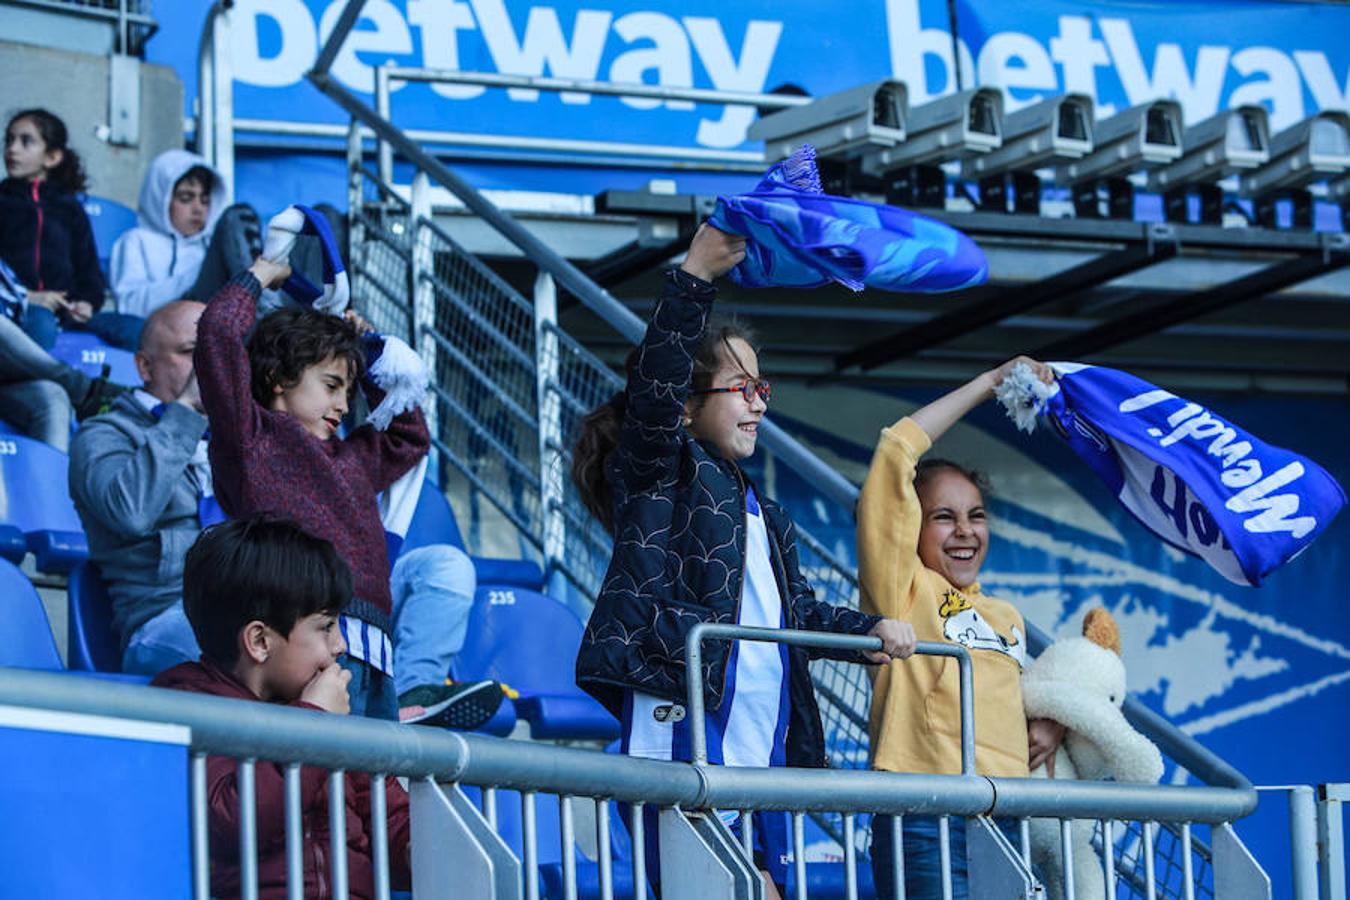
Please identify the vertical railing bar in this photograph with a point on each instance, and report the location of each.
(295, 873)
(1187, 874)
(490, 806)
(602, 841)
(1108, 858)
(530, 840)
(1150, 882)
(248, 830)
(637, 829)
(568, 840)
(1024, 833)
(945, 855)
(379, 829)
(748, 833)
(850, 860)
(385, 151)
(799, 854)
(201, 849)
(337, 832)
(898, 855)
(1066, 853)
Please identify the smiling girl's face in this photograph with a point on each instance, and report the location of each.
(954, 537)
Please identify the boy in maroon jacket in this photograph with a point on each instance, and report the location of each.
(274, 406)
(263, 598)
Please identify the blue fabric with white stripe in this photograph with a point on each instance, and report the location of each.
(1196, 480)
(799, 236)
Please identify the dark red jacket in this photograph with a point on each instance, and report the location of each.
(223, 798)
(47, 240)
(265, 461)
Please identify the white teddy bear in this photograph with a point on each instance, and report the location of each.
(1080, 683)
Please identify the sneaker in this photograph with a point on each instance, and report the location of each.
(98, 399)
(461, 705)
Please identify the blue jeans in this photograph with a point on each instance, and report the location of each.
(432, 589)
(371, 691)
(116, 329)
(161, 643)
(923, 858)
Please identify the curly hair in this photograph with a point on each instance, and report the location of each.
(290, 340)
(68, 174)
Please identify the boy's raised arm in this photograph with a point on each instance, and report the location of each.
(222, 361)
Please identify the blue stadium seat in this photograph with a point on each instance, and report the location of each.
(91, 641)
(529, 641)
(434, 522)
(28, 642)
(87, 352)
(13, 545)
(108, 219)
(35, 499)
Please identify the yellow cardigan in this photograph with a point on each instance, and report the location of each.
(915, 718)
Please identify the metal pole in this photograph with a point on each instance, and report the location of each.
(379, 828)
(799, 854)
(549, 403)
(201, 851)
(337, 37)
(530, 841)
(602, 842)
(337, 832)
(248, 830)
(385, 153)
(222, 99)
(295, 873)
(850, 860)
(945, 855)
(568, 839)
(1303, 841)
(598, 300)
(1331, 838)
(1150, 878)
(1187, 866)
(1066, 855)
(693, 661)
(637, 828)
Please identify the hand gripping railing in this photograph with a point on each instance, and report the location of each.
(706, 631)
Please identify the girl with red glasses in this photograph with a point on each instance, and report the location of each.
(695, 541)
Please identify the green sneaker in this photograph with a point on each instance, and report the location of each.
(461, 705)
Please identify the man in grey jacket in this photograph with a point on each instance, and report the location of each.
(141, 483)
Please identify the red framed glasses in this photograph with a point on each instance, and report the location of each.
(747, 389)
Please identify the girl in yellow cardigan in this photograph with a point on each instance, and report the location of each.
(922, 536)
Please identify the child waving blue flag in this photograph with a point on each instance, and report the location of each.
(798, 236)
(1196, 480)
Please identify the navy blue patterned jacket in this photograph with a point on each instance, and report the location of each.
(679, 542)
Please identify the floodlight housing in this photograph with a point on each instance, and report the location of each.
(949, 128)
(1055, 130)
(1316, 149)
(1234, 140)
(840, 126)
(1141, 137)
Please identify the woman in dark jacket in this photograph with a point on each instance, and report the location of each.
(694, 541)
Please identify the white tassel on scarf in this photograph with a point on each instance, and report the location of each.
(401, 374)
(1024, 395)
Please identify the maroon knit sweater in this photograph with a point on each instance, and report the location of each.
(265, 461)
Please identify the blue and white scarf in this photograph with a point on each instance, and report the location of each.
(798, 236)
(1196, 480)
(13, 295)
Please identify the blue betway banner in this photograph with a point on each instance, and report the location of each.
(1293, 58)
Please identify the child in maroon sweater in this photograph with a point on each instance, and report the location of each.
(274, 409)
(263, 598)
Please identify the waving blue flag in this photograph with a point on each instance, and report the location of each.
(798, 236)
(1194, 479)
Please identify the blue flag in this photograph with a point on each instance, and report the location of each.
(798, 236)
(1196, 480)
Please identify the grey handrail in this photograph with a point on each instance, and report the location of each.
(596, 298)
(823, 640)
(283, 734)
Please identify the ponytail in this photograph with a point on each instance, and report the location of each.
(599, 430)
(68, 175)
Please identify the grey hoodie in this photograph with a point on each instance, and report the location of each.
(153, 264)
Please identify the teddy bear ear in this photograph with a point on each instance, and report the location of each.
(1100, 628)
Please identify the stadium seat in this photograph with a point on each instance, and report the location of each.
(434, 522)
(529, 641)
(28, 642)
(13, 545)
(91, 641)
(35, 499)
(108, 219)
(87, 352)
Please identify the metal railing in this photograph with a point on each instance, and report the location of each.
(133, 19)
(437, 762)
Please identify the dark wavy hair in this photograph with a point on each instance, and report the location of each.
(598, 432)
(928, 468)
(68, 175)
(290, 340)
(261, 568)
(202, 176)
